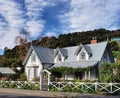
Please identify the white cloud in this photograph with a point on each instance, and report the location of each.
(11, 22)
(14, 17)
(50, 34)
(82, 15)
(35, 24)
(90, 14)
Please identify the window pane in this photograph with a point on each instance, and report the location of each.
(59, 57)
(33, 57)
(35, 72)
(82, 55)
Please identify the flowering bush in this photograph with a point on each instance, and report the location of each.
(4, 78)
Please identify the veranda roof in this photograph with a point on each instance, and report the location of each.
(81, 64)
(6, 70)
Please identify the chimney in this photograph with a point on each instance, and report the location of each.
(94, 40)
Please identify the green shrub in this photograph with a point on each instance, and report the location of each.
(13, 76)
(23, 77)
(36, 79)
(12, 85)
(36, 87)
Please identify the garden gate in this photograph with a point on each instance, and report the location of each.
(44, 80)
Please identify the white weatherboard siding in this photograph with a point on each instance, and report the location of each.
(31, 67)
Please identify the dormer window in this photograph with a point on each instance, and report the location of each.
(82, 55)
(59, 57)
(83, 52)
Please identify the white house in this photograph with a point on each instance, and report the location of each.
(39, 58)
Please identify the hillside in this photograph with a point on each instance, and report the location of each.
(15, 56)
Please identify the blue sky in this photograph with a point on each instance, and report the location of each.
(53, 17)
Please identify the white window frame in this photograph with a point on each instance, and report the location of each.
(82, 56)
(33, 57)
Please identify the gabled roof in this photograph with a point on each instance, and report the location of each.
(45, 55)
(61, 50)
(97, 51)
(86, 48)
(6, 70)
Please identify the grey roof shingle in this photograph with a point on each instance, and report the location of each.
(86, 48)
(6, 70)
(45, 55)
(63, 51)
(96, 50)
(79, 64)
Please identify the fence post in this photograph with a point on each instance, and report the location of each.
(96, 83)
(111, 87)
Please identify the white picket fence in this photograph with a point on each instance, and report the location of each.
(83, 86)
(65, 86)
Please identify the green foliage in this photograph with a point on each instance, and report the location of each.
(13, 77)
(1, 75)
(116, 55)
(59, 72)
(28, 85)
(113, 46)
(23, 77)
(4, 62)
(50, 42)
(109, 72)
(36, 79)
(72, 88)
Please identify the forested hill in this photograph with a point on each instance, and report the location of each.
(15, 56)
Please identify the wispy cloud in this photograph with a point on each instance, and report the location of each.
(72, 15)
(35, 8)
(10, 23)
(15, 16)
(90, 14)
